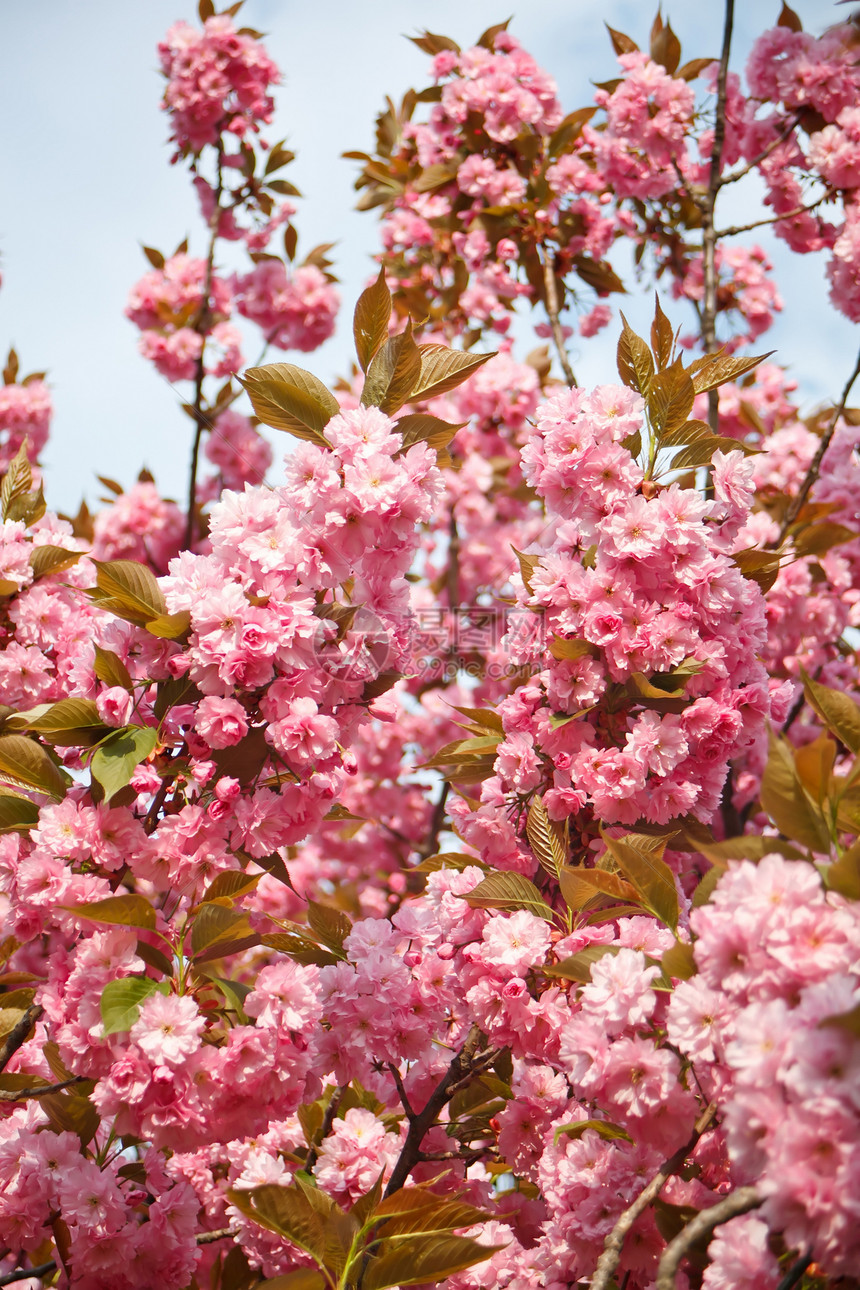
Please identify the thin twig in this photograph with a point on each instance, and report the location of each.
(431, 843)
(795, 1272)
(201, 326)
(614, 1244)
(739, 1202)
(23, 1093)
(761, 156)
(773, 219)
(208, 1238)
(553, 309)
(18, 1034)
(709, 233)
(24, 1274)
(811, 475)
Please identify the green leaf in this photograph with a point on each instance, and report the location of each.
(289, 398)
(604, 1128)
(114, 761)
(579, 885)
(567, 648)
(420, 427)
(577, 967)
(26, 762)
(330, 926)
(17, 814)
(448, 860)
(443, 369)
(229, 884)
(837, 710)
(121, 1000)
(370, 324)
(508, 890)
(679, 962)
(68, 723)
(127, 910)
(392, 372)
(424, 1259)
(71, 1113)
(304, 1279)
(642, 865)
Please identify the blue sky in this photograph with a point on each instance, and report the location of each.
(85, 164)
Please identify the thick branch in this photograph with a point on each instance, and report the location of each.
(430, 846)
(421, 1123)
(553, 310)
(209, 1238)
(795, 1272)
(815, 465)
(18, 1034)
(614, 1244)
(709, 233)
(739, 1202)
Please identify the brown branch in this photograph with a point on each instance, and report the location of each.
(431, 843)
(774, 219)
(208, 1238)
(815, 465)
(795, 1272)
(18, 1034)
(739, 1202)
(325, 1128)
(420, 1124)
(553, 310)
(19, 1096)
(762, 156)
(614, 1244)
(201, 326)
(709, 233)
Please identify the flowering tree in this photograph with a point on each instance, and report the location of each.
(440, 864)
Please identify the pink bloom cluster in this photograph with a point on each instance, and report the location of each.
(217, 79)
(295, 311)
(25, 414)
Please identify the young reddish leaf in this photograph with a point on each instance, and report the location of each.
(620, 43)
(45, 560)
(487, 39)
(448, 860)
(648, 873)
(420, 427)
(392, 372)
(577, 967)
(217, 932)
(132, 587)
(425, 1259)
(528, 564)
(545, 838)
(25, 762)
(635, 364)
(17, 481)
(10, 371)
(598, 274)
(670, 398)
(716, 369)
(110, 669)
(788, 18)
(579, 885)
(289, 398)
(837, 710)
(443, 369)
(693, 69)
(370, 324)
(662, 335)
(433, 44)
(285, 1210)
(127, 910)
(785, 801)
(666, 48)
(228, 885)
(508, 890)
(156, 259)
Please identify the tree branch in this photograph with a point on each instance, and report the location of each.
(815, 465)
(553, 310)
(761, 156)
(614, 1244)
(739, 1202)
(774, 219)
(420, 1124)
(209, 1238)
(201, 326)
(795, 1272)
(24, 1274)
(709, 233)
(23, 1093)
(18, 1034)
